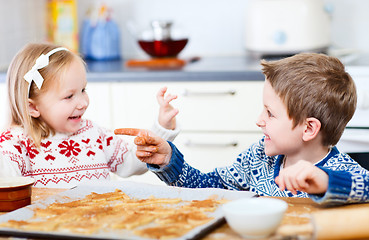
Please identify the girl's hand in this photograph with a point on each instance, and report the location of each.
(150, 148)
(303, 176)
(167, 112)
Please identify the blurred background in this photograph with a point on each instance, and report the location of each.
(214, 27)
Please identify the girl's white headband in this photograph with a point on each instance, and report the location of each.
(41, 62)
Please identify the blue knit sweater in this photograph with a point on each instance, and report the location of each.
(344, 187)
(252, 171)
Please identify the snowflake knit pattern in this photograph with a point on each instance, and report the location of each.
(65, 160)
(252, 171)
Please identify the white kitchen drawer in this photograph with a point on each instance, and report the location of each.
(203, 106)
(225, 106)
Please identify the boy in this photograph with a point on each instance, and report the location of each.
(325, 186)
(308, 100)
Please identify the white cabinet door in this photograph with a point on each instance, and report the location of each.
(134, 104)
(99, 110)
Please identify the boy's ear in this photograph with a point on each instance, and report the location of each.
(312, 128)
(33, 110)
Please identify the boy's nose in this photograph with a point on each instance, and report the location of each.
(260, 121)
(260, 124)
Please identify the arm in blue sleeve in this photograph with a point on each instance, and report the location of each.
(179, 173)
(343, 188)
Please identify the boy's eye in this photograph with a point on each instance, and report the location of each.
(84, 90)
(69, 97)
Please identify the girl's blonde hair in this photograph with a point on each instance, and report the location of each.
(18, 87)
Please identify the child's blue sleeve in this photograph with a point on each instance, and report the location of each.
(179, 173)
(343, 188)
(171, 172)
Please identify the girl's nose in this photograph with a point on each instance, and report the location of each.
(82, 102)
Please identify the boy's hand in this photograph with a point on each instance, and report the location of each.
(150, 148)
(167, 112)
(303, 176)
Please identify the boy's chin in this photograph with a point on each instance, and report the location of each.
(270, 153)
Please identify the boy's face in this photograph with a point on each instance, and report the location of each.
(62, 107)
(280, 138)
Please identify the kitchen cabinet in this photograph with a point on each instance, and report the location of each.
(217, 119)
(99, 109)
(203, 106)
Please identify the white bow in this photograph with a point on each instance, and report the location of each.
(41, 62)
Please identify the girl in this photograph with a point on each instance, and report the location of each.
(48, 139)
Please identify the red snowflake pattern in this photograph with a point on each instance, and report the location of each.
(69, 147)
(5, 136)
(30, 148)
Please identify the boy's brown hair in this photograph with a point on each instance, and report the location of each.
(314, 85)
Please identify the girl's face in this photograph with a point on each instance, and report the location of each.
(62, 107)
(280, 138)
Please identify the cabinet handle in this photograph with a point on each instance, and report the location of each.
(190, 143)
(187, 92)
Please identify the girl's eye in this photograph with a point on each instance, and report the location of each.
(269, 114)
(84, 90)
(69, 97)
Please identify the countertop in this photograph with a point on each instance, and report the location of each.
(236, 68)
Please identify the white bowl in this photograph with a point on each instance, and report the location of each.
(255, 217)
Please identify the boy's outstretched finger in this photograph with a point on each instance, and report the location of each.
(143, 136)
(128, 131)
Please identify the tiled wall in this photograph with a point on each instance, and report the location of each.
(21, 21)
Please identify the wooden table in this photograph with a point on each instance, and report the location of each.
(296, 219)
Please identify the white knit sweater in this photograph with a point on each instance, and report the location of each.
(64, 160)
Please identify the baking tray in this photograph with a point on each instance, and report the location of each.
(133, 189)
